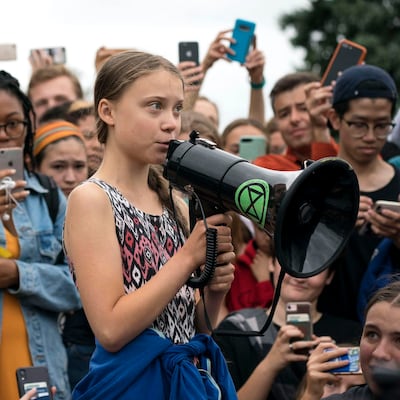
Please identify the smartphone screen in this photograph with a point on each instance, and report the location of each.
(34, 377)
(251, 147)
(243, 33)
(188, 51)
(346, 55)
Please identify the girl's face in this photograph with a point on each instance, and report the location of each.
(94, 148)
(380, 341)
(11, 112)
(66, 162)
(147, 116)
(301, 289)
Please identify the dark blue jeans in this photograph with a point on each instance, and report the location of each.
(78, 361)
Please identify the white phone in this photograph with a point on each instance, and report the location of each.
(378, 206)
(388, 205)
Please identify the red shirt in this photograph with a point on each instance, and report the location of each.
(245, 291)
(289, 161)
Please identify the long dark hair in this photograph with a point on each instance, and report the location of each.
(11, 85)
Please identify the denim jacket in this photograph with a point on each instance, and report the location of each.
(45, 288)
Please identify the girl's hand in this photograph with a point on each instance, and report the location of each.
(195, 246)
(7, 204)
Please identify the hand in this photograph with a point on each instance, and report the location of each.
(283, 352)
(318, 366)
(385, 223)
(318, 103)
(255, 62)
(103, 54)
(40, 59)
(218, 49)
(195, 245)
(9, 274)
(366, 204)
(192, 75)
(7, 204)
(223, 277)
(32, 393)
(260, 266)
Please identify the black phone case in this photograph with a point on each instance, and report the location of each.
(30, 377)
(346, 54)
(189, 51)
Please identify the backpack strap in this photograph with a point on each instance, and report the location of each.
(52, 196)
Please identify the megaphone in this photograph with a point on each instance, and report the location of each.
(310, 212)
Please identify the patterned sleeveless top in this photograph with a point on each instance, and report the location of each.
(147, 242)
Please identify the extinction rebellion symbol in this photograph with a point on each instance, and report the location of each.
(252, 198)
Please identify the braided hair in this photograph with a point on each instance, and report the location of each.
(11, 85)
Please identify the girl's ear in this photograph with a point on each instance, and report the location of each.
(105, 110)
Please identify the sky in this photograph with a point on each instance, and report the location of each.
(82, 26)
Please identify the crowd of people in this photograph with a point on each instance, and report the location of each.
(96, 249)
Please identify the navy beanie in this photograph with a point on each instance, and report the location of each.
(364, 81)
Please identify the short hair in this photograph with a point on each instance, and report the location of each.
(240, 122)
(51, 72)
(289, 82)
(119, 72)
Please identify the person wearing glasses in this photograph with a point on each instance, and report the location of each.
(35, 283)
(363, 105)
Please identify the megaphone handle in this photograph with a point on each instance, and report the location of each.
(211, 261)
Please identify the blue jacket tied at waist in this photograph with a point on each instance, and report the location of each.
(152, 367)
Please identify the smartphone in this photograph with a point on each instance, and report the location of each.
(251, 147)
(12, 157)
(346, 54)
(378, 206)
(243, 33)
(299, 314)
(58, 54)
(189, 51)
(388, 205)
(354, 367)
(8, 52)
(34, 377)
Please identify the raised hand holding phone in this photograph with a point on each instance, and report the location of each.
(346, 55)
(243, 33)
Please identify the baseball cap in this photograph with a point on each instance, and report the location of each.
(364, 81)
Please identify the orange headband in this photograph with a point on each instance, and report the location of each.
(51, 132)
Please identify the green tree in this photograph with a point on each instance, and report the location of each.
(373, 23)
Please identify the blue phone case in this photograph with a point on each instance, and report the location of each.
(243, 33)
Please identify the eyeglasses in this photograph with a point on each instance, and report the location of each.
(359, 129)
(14, 129)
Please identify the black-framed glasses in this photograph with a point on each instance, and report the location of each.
(14, 129)
(358, 129)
